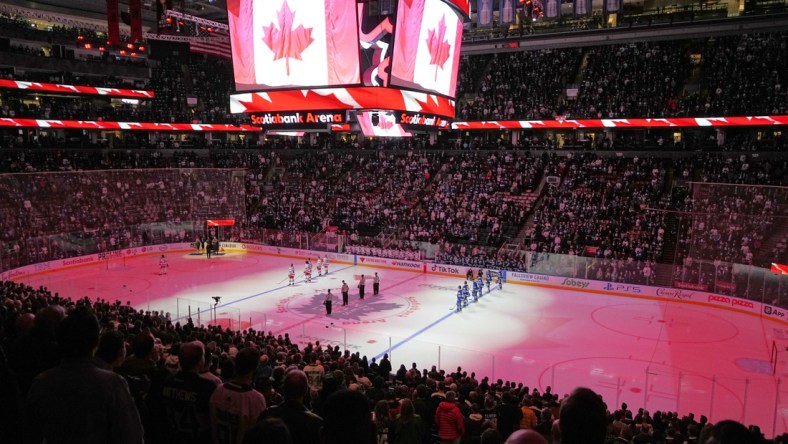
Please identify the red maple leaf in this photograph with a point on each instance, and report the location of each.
(438, 45)
(385, 124)
(287, 43)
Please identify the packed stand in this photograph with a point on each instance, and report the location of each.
(602, 209)
(733, 76)
(522, 85)
(641, 79)
(743, 75)
(212, 82)
(355, 192)
(477, 197)
(393, 250)
(168, 83)
(470, 73)
(54, 215)
(728, 214)
(724, 222)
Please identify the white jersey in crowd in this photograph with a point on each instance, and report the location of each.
(235, 408)
(314, 374)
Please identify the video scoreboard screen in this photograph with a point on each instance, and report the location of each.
(427, 41)
(296, 44)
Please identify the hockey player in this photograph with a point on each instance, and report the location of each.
(291, 275)
(480, 283)
(466, 295)
(163, 265)
(499, 280)
(325, 265)
(475, 291)
(488, 278)
(459, 298)
(319, 266)
(308, 271)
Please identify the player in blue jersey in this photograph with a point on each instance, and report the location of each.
(489, 280)
(459, 298)
(474, 291)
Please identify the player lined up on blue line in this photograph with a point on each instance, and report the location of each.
(463, 293)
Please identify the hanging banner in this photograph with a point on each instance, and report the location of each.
(582, 8)
(135, 18)
(484, 13)
(507, 10)
(552, 9)
(113, 22)
(613, 6)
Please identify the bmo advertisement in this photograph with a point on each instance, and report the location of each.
(311, 56)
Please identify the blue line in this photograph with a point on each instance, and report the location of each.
(254, 295)
(406, 340)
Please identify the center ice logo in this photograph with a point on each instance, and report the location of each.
(357, 312)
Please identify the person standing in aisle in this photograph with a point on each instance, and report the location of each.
(345, 291)
(328, 302)
(375, 285)
(361, 284)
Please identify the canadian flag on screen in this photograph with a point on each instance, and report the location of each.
(280, 43)
(433, 32)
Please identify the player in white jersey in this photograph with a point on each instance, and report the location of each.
(163, 265)
(325, 265)
(308, 271)
(291, 275)
(319, 266)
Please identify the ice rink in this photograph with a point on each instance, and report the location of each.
(654, 354)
